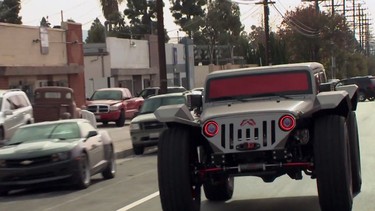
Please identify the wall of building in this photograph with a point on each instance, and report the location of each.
(21, 46)
(31, 57)
(97, 71)
(128, 53)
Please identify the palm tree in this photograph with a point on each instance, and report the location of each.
(111, 13)
(110, 7)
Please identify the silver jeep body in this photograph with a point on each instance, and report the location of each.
(264, 122)
(255, 120)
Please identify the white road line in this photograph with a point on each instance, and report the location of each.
(140, 201)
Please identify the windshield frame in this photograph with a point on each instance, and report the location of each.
(258, 79)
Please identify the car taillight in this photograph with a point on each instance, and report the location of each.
(210, 128)
(287, 122)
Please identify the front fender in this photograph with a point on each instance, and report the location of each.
(330, 100)
(175, 114)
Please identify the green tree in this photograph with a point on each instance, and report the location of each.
(114, 20)
(96, 34)
(324, 37)
(222, 24)
(189, 15)
(9, 10)
(142, 16)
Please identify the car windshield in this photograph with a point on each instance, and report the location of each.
(62, 131)
(147, 93)
(259, 85)
(175, 89)
(106, 95)
(151, 104)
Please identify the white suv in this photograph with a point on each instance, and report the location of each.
(15, 111)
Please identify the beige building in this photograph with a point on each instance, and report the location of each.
(31, 57)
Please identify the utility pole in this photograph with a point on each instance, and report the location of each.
(161, 47)
(267, 30)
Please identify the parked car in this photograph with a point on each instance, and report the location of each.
(366, 86)
(151, 91)
(15, 111)
(197, 90)
(145, 128)
(113, 105)
(54, 103)
(63, 151)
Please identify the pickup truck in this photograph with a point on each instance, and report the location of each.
(54, 103)
(113, 105)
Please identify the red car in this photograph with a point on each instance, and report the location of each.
(113, 105)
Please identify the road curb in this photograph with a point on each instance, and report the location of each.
(124, 153)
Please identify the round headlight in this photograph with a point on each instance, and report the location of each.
(210, 128)
(287, 122)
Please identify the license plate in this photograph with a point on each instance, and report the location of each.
(154, 135)
(97, 116)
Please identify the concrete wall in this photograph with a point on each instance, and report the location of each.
(21, 46)
(128, 53)
(97, 69)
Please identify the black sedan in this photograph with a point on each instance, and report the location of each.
(69, 151)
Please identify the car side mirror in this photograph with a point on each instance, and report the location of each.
(194, 101)
(92, 134)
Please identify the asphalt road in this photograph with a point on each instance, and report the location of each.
(135, 186)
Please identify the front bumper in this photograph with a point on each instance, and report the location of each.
(17, 177)
(110, 116)
(146, 137)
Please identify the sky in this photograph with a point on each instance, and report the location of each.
(85, 11)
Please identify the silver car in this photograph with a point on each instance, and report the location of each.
(145, 128)
(15, 111)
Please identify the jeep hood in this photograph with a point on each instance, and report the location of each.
(297, 107)
(37, 148)
(104, 102)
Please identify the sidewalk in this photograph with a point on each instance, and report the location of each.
(123, 149)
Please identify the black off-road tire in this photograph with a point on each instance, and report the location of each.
(371, 98)
(178, 186)
(3, 191)
(138, 150)
(355, 155)
(332, 163)
(2, 134)
(121, 120)
(82, 177)
(219, 188)
(110, 171)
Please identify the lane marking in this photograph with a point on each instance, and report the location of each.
(140, 201)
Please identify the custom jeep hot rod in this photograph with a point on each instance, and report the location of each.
(264, 122)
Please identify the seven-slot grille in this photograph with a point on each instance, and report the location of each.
(264, 134)
(233, 131)
(98, 108)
